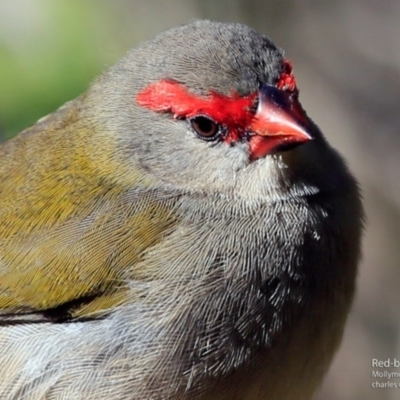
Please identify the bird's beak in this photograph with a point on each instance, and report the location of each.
(279, 123)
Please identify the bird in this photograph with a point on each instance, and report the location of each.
(181, 231)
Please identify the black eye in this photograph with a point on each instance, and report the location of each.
(205, 127)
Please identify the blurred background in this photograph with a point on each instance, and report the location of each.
(346, 56)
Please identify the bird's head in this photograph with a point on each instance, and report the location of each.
(207, 106)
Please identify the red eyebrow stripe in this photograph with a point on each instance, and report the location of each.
(170, 96)
(287, 81)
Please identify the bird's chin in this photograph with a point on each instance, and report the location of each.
(263, 181)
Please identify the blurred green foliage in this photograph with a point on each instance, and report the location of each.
(49, 53)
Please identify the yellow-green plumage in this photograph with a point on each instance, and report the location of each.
(68, 233)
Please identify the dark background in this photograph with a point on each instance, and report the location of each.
(346, 56)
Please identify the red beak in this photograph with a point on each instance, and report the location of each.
(279, 123)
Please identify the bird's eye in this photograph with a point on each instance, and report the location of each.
(205, 127)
